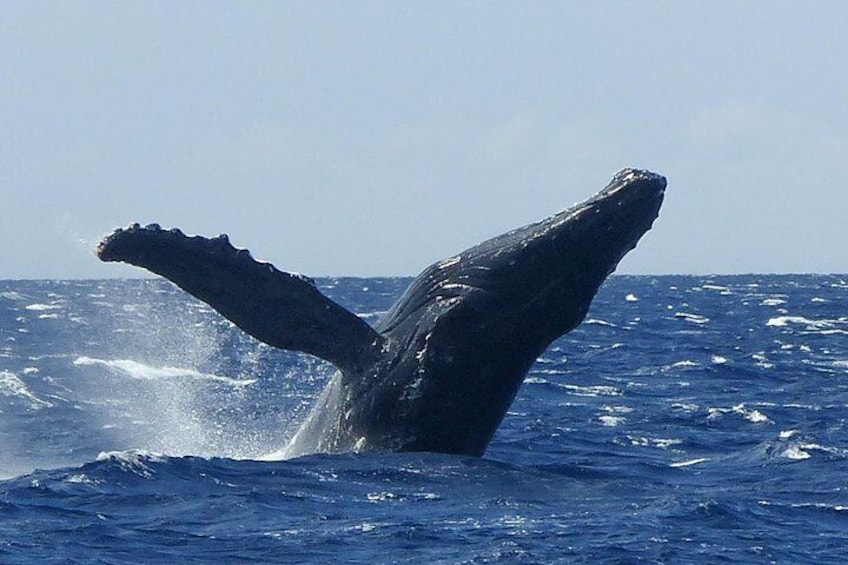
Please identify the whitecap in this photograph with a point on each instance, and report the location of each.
(134, 461)
(536, 380)
(140, 371)
(43, 307)
(383, 496)
(772, 302)
(132, 456)
(598, 390)
(820, 505)
(782, 321)
(693, 318)
(631, 298)
(11, 385)
(547, 372)
(686, 363)
(795, 452)
(81, 479)
(752, 415)
(595, 321)
(811, 325)
(755, 416)
(547, 361)
(661, 443)
(611, 421)
(688, 462)
(824, 448)
(723, 290)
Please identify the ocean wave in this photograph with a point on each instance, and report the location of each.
(689, 462)
(140, 371)
(137, 462)
(599, 322)
(12, 385)
(692, 318)
(661, 443)
(593, 391)
(575, 470)
(43, 307)
(824, 326)
(721, 289)
(752, 415)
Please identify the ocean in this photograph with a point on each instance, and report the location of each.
(687, 420)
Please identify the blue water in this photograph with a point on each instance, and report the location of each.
(688, 419)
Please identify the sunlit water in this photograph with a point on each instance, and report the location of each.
(687, 420)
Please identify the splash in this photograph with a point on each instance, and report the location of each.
(136, 370)
(180, 380)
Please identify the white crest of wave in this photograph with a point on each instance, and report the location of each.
(796, 453)
(721, 289)
(688, 462)
(591, 391)
(661, 443)
(685, 363)
(43, 307)
(692, 318)
(12, 385)
(751, 414)
(611, 421)
(824, 326)
(599, 322)
(137, 370)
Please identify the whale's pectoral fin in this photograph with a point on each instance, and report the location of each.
(281, 309)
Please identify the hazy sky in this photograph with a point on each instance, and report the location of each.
(363, 138)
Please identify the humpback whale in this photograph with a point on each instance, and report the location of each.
(440, 370)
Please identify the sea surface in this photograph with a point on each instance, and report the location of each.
(687, 420)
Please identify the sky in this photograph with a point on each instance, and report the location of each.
(374, 138)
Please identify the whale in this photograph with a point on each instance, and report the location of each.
(439, 371)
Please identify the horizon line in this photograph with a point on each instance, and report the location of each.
(317, 277)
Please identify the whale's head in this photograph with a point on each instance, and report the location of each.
(476, 322)
(543, 275)
(585, 243)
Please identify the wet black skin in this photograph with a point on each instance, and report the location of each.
(440, 371)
